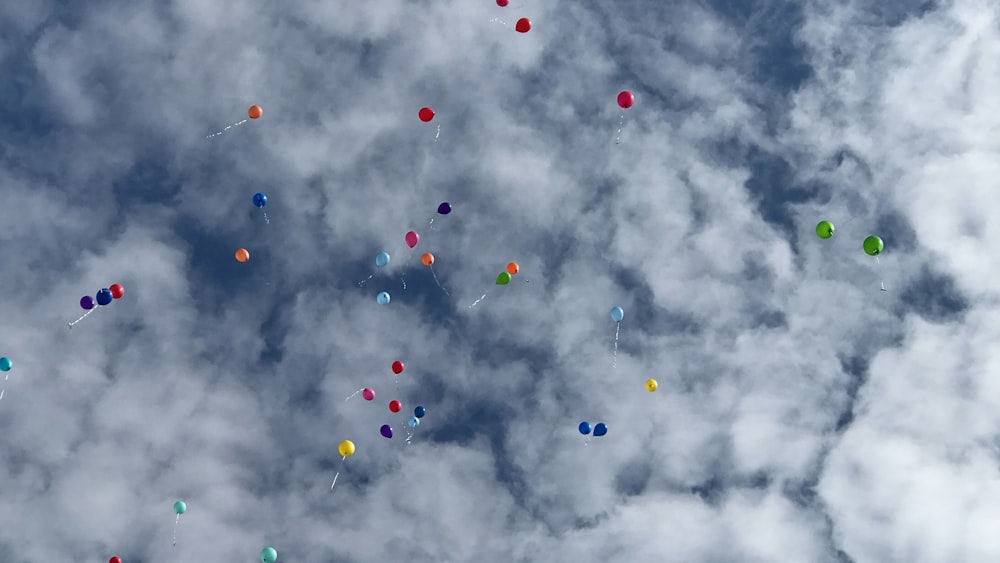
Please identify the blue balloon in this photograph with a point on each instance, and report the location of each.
(444, 208)
(584, 428)
(259, 199)
(382, 259)
(600, 429)
(419, 412)
(413, 422)
(617, 314)
(6, 364)
(104, 297)
(383, 298)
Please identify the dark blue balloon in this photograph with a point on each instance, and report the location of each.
(104, 297)
(584, 428)
(444, 208)
(259, 199)
(419, 412)
(600, 429)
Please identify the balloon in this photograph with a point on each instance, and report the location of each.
(395, 405)
(824, 229)
(6, 364)
(625, 99)
(419, 412)
(115, 559)
(269, 555)
(426, 114)
(117, 290)
(444, 208)
(651, 385)
(104, 297)
(523, 25)
(368, 393)
(873, 245)
(242, 255)
(87, 302)
(600, 429)
(180, 507)
(584, 428)
(346, 448)
(255, 112)
(398, 367)
(383, 298)
(382, 259)
(427, 259)
(260, 199)
(503, 278)
(617, 314)
(385, 431)
(412, 238)
(413, 422)
(503, 3)
(513, 268)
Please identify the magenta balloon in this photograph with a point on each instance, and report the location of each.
(386, 431)
(412, 238)
(626, 99)
(368, 393)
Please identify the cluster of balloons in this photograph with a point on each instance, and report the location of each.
(512, 269)
(103, 298)
(872, 244)
(386, 430)
(600, 429)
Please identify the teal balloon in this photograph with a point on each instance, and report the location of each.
(382, 259)
(617, 314)
(413, 422)
(6, 364)
(269, 555)
(180, 507)
(383, 298)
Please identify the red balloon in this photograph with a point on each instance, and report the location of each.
(426, 114)
(398, 367)
(395, 405)
(115, 559)
(502, 3)
(523, 25)
(626, 99)
(117, 290)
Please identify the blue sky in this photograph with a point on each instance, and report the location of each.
(802, 414)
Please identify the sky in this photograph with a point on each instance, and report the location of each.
(802, 414)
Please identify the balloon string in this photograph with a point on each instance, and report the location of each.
(402, 278)
(175, 529)
(362, 282)
(880, 279)
(266, 220)
(438, 133)
(4, 388)
(227, 129)
(477, 301)
(83, 316)
(439, 283)
(621, 122)
(614, 360)
(409, 435)
(495, 20)
(354, 394)
(332, 485)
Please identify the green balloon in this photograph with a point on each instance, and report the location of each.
(503, 278)
(268, 555)
(180, 507)
(824, 229)
(873, 245)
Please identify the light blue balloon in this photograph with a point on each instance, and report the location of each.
(617, 314)
(413, 422)
(383, 298)
(6, 364)
(382, 259)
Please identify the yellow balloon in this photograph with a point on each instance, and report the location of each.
(651, 385)
(346, 448)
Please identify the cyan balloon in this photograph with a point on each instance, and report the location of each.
(6, 364)
(383, 298)
(180, 507)
(413, 422)
(269, 555)
(617, 314)
(382, 259)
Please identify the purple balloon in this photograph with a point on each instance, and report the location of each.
(386, 431)
(444, 208)
(87, 302)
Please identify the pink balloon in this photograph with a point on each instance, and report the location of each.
(502, 3)
(412, 238)
(368, 393)
(626, 99)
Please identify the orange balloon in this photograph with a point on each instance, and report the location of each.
(513, 268)
(242, 255)
(427, 259)
(255, 111)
